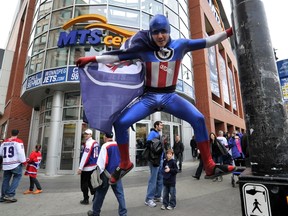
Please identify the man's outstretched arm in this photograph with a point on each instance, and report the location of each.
(217, 38)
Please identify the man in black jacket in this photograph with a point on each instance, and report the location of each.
(178, 149)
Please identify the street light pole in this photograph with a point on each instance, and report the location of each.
(265, 114)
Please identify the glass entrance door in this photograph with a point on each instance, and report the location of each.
(68, 148)
(141, 136)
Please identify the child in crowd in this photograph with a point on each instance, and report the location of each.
(169, 170)
(33, 163)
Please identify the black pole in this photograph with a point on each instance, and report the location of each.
(265, 113)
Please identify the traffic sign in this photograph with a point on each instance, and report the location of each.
(256, 200)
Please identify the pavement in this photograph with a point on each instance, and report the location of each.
(61, 196)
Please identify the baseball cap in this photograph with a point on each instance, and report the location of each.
(88, 131)
(109, 135)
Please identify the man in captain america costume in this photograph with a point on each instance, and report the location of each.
(162, 57)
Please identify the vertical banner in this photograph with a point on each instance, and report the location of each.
(213, 71)
(223, 78)
(233, 93)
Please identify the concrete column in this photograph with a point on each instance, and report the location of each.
(55, 134)
(265, 114)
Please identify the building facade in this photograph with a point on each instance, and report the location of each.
(52, 35)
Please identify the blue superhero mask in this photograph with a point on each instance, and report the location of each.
(159, 24)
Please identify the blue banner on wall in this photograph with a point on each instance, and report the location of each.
(54, 76)
(282, 67)
(34, 80)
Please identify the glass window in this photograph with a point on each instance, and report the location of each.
(175, 34)
(39, 44)
(152, 7)
(90, 1)
(184, 29)
(165, 116)
(44, 9)
(80, 51)
(145, 21)
(72, 99)
(172, 4)
(71, 113)
(36, 64)
(173, 17)
(62, 3)
(53, 37)
(176, 120)
(124, 17)
(61, 17)
(135, 4)
(49, 103)
(56, 58)
(47, 116)
(42, 26)
(187, 61)
(81, 10)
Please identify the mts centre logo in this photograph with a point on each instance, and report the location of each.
(91, 33)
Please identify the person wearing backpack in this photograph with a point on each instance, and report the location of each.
(155, 161)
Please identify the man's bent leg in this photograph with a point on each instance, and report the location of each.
(136, 112)
(183, 109)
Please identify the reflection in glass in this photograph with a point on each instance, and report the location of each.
(42, 25)
(72, 99)
(165, 116)
(44, 146)
(36, 63)
(67, 150)
(39, 44)
(62, 3)
(53, 37)
(70, 113)
(81, 10)
(135, 4)
(61, 17)
(45, 9)
(152, 6)
(141, 135)
(123, 16)
(90, 1)
(56, 58)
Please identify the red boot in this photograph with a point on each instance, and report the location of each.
(125, 164)
(212, 170)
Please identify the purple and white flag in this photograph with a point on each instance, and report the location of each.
(107, 89)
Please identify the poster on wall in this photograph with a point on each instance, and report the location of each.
(284, 87)
(223, 78)
(282, 67)
(233, 93)
(213, 72)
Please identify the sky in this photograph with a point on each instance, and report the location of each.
(276, 12)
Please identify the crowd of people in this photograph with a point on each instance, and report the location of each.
(162, 56)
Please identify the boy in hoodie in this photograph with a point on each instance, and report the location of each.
(169, 170)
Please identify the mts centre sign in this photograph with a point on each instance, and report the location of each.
(91, 33)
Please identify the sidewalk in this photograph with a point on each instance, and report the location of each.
(61, 196)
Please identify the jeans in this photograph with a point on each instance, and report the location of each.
(101, 192)
(16, 174)
(172, 191)
(155, 183)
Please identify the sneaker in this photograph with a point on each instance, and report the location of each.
(158, 199)
(215, 179)
(37, 191)
(2, 199)
(84, 202)
(150, 203)
(9, 199)
(28, 192)
(163, 207)
(170, 208)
